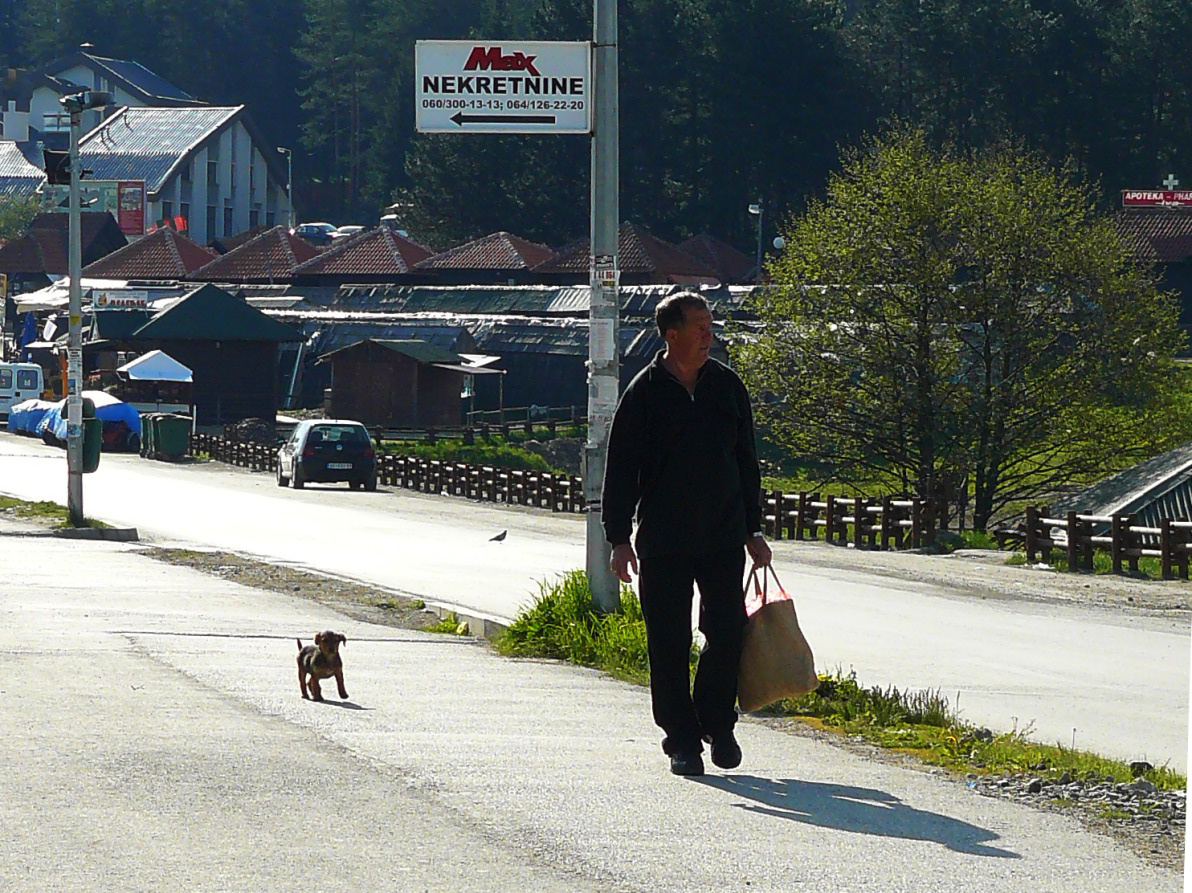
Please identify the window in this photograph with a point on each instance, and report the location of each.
(252, 177)
(188, 171)
(227, 231)
(211, 221)
(184, 213)
(270, 219)
(5, 379)
(167, 210)
(26, 379)
(212, 173)
(55, 122)
(254, 218)
(232, 177)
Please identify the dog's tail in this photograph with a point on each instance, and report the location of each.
(299, 641)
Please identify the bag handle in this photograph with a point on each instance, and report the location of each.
(761, 589)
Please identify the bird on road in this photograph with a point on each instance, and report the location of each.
(499, 537)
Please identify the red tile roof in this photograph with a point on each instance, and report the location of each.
(163, 254)
(729, 263)
(498, 251)
(377, 252)
(270, 257)
(638, 253)
(1157, 235)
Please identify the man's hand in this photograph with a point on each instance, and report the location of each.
(759, 550)
(623, 559)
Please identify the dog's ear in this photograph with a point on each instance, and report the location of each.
(343, 640)
(318, 638)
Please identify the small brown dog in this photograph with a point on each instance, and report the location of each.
(320, 660)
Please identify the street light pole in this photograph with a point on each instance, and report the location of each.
(289, 181)
(604, 306)
(759, 209)
(76, 104)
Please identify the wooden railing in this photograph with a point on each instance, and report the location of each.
(888, 523)
(541, 489)
(1126, 542)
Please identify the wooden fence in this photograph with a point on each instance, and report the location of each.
(888, 523)
(1170, 542)
(557, 492)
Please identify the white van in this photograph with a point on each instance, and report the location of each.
(19, 382)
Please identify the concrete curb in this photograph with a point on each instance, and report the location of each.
(109, 534)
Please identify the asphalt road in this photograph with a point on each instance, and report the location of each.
(1112, 683)
(156, 741)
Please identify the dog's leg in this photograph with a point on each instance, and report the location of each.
(301, 680)
(315, 693)
(339, 680)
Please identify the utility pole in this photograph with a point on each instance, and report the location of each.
(76, 104)
(604, 304)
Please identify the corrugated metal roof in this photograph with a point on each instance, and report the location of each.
(1149, 489)
(146, 143)
(528, 300)
(17, 175)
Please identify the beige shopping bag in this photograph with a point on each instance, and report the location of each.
(776, 660)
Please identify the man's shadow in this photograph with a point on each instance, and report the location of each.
(860, 810)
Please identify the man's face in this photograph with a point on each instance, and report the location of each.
(690, 343)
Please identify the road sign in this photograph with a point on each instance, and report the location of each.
(474, 86)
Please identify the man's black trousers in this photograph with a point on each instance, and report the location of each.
(665, 590)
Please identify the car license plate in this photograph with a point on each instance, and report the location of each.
(339, 465)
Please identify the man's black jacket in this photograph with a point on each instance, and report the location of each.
(686, 462)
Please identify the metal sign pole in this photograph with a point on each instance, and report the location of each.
(604, 304)
(74, 353)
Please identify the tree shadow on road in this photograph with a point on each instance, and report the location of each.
(859, 810)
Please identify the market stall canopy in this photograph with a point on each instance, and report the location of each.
(156, 365)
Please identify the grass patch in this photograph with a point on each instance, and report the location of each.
(564, 625)
(51, 513)
(498, 455)
(451, 625)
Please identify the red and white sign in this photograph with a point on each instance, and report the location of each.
(502, 86)
(1157, 198)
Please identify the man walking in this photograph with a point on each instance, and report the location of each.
(681, 454)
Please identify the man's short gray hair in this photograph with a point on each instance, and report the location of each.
(671, 312)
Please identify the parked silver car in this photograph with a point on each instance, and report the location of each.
(328, 451)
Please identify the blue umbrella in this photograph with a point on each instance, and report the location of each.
(28, 336)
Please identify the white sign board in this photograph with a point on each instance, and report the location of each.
(474, 86)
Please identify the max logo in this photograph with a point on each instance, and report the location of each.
(485, 58)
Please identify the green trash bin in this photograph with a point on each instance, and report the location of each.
(149, 434)
(92, 443)
(172, 435)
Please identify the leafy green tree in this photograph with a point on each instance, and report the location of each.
(952, 319)
(16, 213)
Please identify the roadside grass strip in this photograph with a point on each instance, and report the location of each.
(564, 625)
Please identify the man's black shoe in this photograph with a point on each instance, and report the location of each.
(686, 763)
(726, 752)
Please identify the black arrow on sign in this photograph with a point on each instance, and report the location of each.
(461, 119)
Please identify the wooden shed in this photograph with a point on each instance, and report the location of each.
(392, 382)
(231, 347)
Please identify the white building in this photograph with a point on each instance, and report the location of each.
(208, 165)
